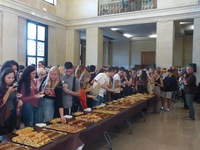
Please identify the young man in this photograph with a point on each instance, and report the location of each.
(170, 85)
(190, 89)
(104, 80)
(69, 81)
(117, 82)
(41, 64)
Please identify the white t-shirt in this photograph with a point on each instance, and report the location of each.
(101, 78)
(116, 78)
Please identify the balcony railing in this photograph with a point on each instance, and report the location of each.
(126, 6)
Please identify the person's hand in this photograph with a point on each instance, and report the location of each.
(94, 98)
(18, 95)
(63, 120)
(65, 86)
(11, 89)
(20, 103)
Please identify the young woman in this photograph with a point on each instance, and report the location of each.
(51, 105)
(85, 89)
(8, 101)
(141, 83)
(158, 84)
(30, 96)
(150, 85)
(41, 72)
(127, 89)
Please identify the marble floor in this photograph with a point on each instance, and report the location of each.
(163, 131)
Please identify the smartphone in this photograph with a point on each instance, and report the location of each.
(15, 86)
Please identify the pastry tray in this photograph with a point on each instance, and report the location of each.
(52, 134)
(14, 146)
(66, 128)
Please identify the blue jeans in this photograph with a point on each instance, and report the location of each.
(29, 114)
(98, 101)
(45, 109)
(189, 98)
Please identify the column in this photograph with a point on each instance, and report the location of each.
(9, 36)
(196, 50)
(164, 44)
(73, 47)
(94, 46)
(105, 52)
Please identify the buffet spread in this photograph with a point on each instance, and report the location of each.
(29, 137)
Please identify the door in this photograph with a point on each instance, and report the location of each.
(147, 58)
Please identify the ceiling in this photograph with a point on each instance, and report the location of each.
(143, 31)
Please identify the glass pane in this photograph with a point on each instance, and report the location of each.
(41, 33)
(31, 31)
(50, 1)
(40, 48)
(31, 60)
(31, 46)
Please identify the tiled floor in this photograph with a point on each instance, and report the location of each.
(163, 131)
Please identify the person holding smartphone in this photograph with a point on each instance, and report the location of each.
(8, 101)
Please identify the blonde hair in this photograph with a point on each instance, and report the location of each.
(40, 71)
(48, 82)
(83, 78)
(79, 70)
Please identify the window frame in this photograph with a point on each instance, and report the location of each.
(53, 3)
(45, 57)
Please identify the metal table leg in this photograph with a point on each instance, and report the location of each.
(108, 139)
(130, 125)
(143, 115)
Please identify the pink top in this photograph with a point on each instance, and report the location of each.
(29, 99)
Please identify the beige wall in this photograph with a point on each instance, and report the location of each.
(175, 3)
(58, 10)
(141, 46)
(182, 51)
(13, 39)
(79, 9)
(178, 52)
(187, 50)
(120, 53)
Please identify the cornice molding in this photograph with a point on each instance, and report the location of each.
(28, 12)
(136, 17)
(145, 16)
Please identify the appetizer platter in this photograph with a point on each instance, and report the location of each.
(111, 108)
(91, 117)
(33, 139)
(111, 112)
(66, 127)
(52, 134)
(119, 106)
(55, 120)
(78, 122)
(78, 113)
(23, 131)
(12, 146)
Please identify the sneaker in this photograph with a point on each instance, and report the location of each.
(167, 109)
(161, 108)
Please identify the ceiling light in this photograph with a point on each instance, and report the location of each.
(114, 29)
(127, 35)
(185, 22)
(192, 27)
(153, 36)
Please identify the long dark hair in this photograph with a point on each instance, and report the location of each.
(9, 63)
(26, 79)
(4, 73)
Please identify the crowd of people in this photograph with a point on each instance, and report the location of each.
(36, 94)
